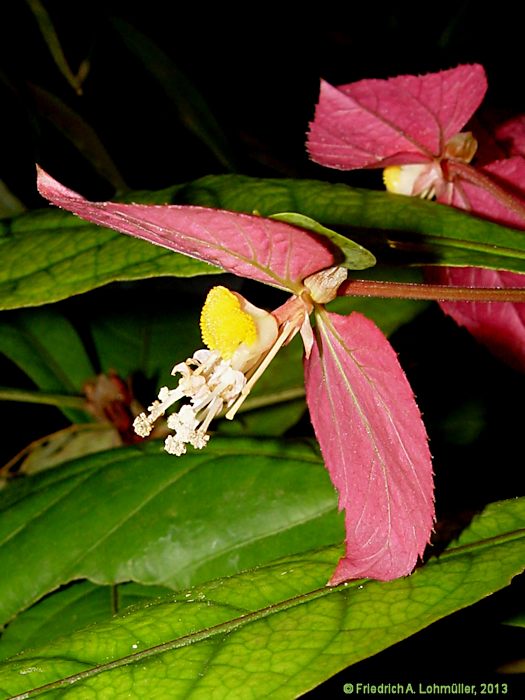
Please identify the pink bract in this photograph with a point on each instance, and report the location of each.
(374, 445)
(403, 120)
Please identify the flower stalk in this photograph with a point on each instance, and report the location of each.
(432, 292)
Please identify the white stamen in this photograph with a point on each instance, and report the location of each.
(211, 384)
(199, 440)
(214, 409)
(174, 446)
(142, 425)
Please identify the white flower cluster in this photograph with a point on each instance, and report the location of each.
(211, 384)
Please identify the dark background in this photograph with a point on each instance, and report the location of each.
(259, 73)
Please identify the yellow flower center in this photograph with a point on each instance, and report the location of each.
(224, 324)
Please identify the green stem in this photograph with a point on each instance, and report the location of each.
(435, 292)
(27, 396)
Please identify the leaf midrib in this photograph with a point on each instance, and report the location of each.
(230, 626)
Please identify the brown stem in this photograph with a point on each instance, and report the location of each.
(435, 292)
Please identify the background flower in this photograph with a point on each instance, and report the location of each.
(411, 125)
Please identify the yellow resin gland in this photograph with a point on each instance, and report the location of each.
(224, 324)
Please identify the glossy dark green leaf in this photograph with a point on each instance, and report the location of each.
(276, 631)
(143, 515)
(50, 255)
(273, 420)
(505, 516)
(146, 330)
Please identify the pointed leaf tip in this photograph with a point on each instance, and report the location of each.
(374, 445)
(272, 252)
(402, 120)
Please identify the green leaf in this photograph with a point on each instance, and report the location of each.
(71, 609)
(45, 345)
(273, 420)
(277, 631)
(146, 329)
(50, 255)
(356, 257)
(396, 228)
(502, 516)
(143, 515)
